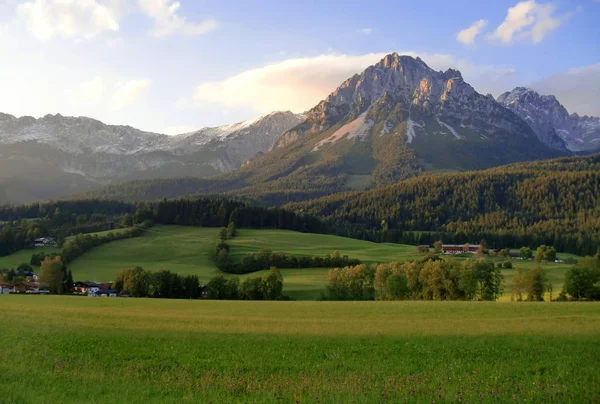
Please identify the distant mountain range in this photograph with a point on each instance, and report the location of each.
(551, 122)
(56, 155)
(393, 121)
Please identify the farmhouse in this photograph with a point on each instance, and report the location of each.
(84, 287)
(5, 288)
(103, 293)
(45, 242)
(460, 248)
(26, 287)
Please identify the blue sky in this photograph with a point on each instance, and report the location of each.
(168, 66)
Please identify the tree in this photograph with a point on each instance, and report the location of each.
(517, 292)
(489, 280)
(223, 234)
(220, 288)
(551, 254)
(525, 253)
(536, 284)
(51, 275)
(272, 284)
(437, 247)
(67, 280)
(136, 282)
(397, 287)
(541, 253)
(231, 230)
(582, 280)
(251, 289)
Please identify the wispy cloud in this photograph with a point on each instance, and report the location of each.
(299, 84)
(529, 20)
(129, 91)
(75, 19)
(577, 89)
(468, 35)
(168, 21)
(365, 31)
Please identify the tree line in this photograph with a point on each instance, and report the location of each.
(430, 278)
(266, 287)
(265, 258)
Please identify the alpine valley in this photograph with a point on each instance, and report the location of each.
(395, 120)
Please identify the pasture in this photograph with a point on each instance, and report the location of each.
(79, 349)
(189, 250)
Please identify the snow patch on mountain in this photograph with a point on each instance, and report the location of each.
(450, 128)
(410, 130)
(358, 128)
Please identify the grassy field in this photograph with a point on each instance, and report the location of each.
(188, 250)
(78, 349)
(24, 257)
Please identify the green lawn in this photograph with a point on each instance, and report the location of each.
(184, 250)
(294, 243)
(169, 351)
(24, 257)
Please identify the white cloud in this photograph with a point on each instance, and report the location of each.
(167, 21)
(468, 35)
(179, 129)
(92, 89)
(365, 31)
(128, 92)
(299, 84)
(529, 20)
(577, 89)
(68, 19)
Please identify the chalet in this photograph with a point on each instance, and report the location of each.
(81, 288)
(5, 288)
(45, 242)
(460, 248)
(423, 248)
(26, 287)
(103, 293)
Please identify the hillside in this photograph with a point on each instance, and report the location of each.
(548, 202)
(189, 250)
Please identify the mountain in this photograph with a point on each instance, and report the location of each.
(395, 120)
(553, 125)
(56, 155)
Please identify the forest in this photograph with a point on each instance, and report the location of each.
(553, 202)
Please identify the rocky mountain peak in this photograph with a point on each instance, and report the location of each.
(551, 122)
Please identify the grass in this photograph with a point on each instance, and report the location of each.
(24, 257)
(184, 250)
(140, 350)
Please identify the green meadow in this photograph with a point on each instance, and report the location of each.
(189, 250)
(76, 349)
(24, 256)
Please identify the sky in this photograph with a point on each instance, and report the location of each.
(174, 66)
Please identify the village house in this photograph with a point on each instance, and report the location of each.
(81, 288)
(460, 248)
(45, 242)
(5, 288)
(26, 287)
(103, 293)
